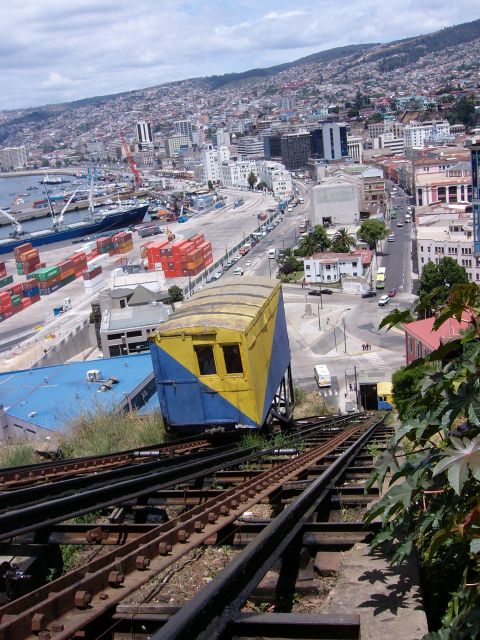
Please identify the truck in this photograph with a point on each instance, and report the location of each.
(300, 200)
(67, 304)
(245, 249)
(304, 226)
(272, 252)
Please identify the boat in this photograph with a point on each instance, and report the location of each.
(97, 220)
(53, 180)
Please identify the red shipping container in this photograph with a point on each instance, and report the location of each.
(26, 302)
(8, 313)
(17, 252)
(65, 265)
(35, 298)
(29, 284)
(16, 289)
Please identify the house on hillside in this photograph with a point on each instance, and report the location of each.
(421, 339)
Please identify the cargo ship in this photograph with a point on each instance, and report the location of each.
(96, 221)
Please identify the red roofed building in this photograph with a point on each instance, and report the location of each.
(421, 339)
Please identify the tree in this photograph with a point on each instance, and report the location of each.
(342, 241)
(288, 263)
(433, 468)
(262, 185)
(316, 241)
(252, 178)
(437, 280)
(405, 382)
(175, 293)
(210, 185)
(321, 237)
(371, 231)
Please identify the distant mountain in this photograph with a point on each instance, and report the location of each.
(401, 53)
(216, 82)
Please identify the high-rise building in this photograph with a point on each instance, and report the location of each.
(13, 158)
(250, 147)
(475, 154)
(295, 148)
(221, 138)
(329, 141)
(183, 128)
(271, 146)
(144, 135)
(175, 143)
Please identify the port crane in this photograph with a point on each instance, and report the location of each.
(18, 231)
(58, 219)
(131, 162)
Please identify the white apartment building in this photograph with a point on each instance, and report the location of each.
(445, 236)
(250, 147)
(355, 148)
(235, 174)
(418, 134)
(221, 138)
(211, 160)
(276, 177)
(184, 128)
(13, 158)
(442, 180)
(331, 267)
(174, 144)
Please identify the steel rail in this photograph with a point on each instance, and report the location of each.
(36, 507)
(208, 614)
(46, 471)
(72, 602)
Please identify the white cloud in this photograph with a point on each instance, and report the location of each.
(52, 50)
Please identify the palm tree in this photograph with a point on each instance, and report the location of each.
(307, 246)
(344, 238)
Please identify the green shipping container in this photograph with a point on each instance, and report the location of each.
(67, 280)
(5, 281)
(16, 300)
(46, 273)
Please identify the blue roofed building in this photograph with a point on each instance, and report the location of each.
(39, 402)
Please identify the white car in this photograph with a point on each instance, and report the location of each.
(391, 238)
(248, 263)
(383, 301)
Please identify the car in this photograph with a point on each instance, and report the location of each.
(391, 238)
(369, 294)
(318, 292)
(248, 263)
(217, 275)
(392, 293)
(238, 272)
(399, 223)
(383, 301)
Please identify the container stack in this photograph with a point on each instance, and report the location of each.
(122, 242)
(104, 245)
(27, 259)
(18, 297)
(92, 278)
(180, 258)
(67, 271)
(4, 279)
(49, 279)
(79, 263)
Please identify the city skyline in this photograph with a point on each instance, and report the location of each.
(52, 53)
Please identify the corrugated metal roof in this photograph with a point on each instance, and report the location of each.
(51, 397)
(231, 304)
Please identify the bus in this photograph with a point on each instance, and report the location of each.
(322, 375)
(380, 279)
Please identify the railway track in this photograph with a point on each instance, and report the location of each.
(85, 601)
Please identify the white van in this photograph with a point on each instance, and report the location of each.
(272, 252)
(322, 375)
(238, 272)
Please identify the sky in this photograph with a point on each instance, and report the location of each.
(60, 50)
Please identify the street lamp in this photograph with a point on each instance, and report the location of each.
(318, 311)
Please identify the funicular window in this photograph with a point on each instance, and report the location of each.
(206, 361)
(233, 359)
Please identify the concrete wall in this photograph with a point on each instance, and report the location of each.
(82, 338)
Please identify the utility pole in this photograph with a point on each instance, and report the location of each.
(335, 337)
(318, 311)
(344, 337)
(357, 390)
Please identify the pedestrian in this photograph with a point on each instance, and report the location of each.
(363, 347)
(351, 388)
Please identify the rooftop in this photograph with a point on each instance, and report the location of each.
(423, 330)
(50, 397)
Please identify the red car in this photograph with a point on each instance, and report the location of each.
(392, 293)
